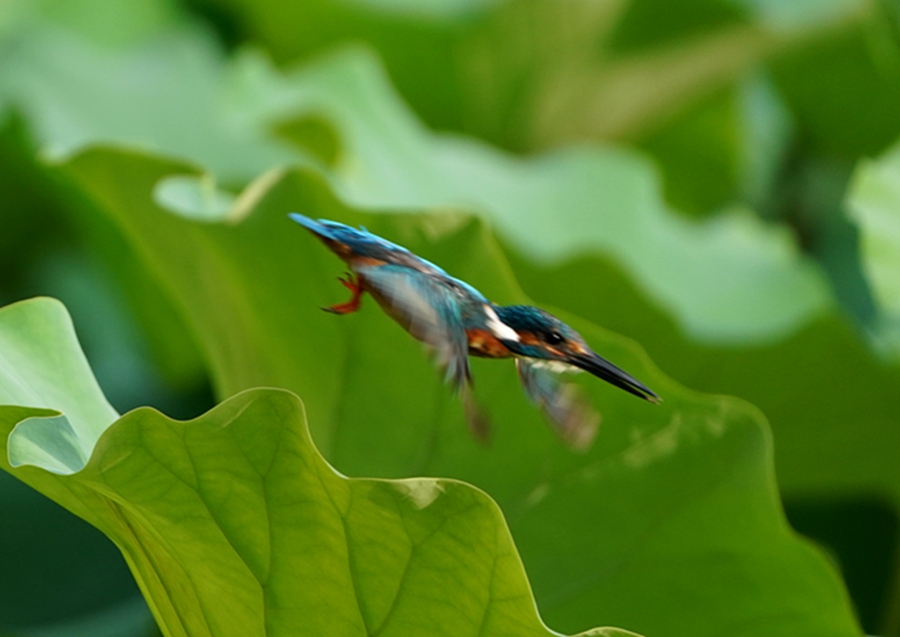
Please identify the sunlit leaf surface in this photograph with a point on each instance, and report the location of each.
(233, 524)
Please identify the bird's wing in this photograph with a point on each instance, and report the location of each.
(428, 309)
(571, 417)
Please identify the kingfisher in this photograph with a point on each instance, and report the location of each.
(455, 320)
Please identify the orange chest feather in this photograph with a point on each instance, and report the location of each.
(356, 261)
(484, 343)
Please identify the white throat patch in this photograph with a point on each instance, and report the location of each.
(499, 328)
(557, 367)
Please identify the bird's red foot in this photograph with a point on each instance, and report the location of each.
(352, 284)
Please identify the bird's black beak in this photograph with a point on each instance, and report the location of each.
(602, 368)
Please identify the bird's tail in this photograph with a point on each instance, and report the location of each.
(477, 418)
(316, 227)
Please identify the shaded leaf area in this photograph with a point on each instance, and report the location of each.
(844, 87)
(27, 208)
(38, 537)
(240, 117)
(233, 524)
(832, 403)
(675, 508)
(863, 533)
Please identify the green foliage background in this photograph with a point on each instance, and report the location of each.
(716, 180)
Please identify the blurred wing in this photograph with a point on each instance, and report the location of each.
(571, 417)
(428, 310)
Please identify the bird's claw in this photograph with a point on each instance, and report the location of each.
(349, 282)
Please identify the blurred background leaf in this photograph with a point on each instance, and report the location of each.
(728, 279)
(874, 203)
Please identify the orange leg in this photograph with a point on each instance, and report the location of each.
(352, 284)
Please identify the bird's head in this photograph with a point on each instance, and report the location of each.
(541, 336)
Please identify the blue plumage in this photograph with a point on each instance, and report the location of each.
(456, 321)
(364, 244)
(360, 242)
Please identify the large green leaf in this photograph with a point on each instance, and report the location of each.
(675, 507)
(233, 524)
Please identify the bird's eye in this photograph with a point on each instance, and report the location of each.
(553, 338)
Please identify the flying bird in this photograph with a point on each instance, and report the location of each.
(456, 321)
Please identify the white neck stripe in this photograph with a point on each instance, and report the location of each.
(500, 329)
